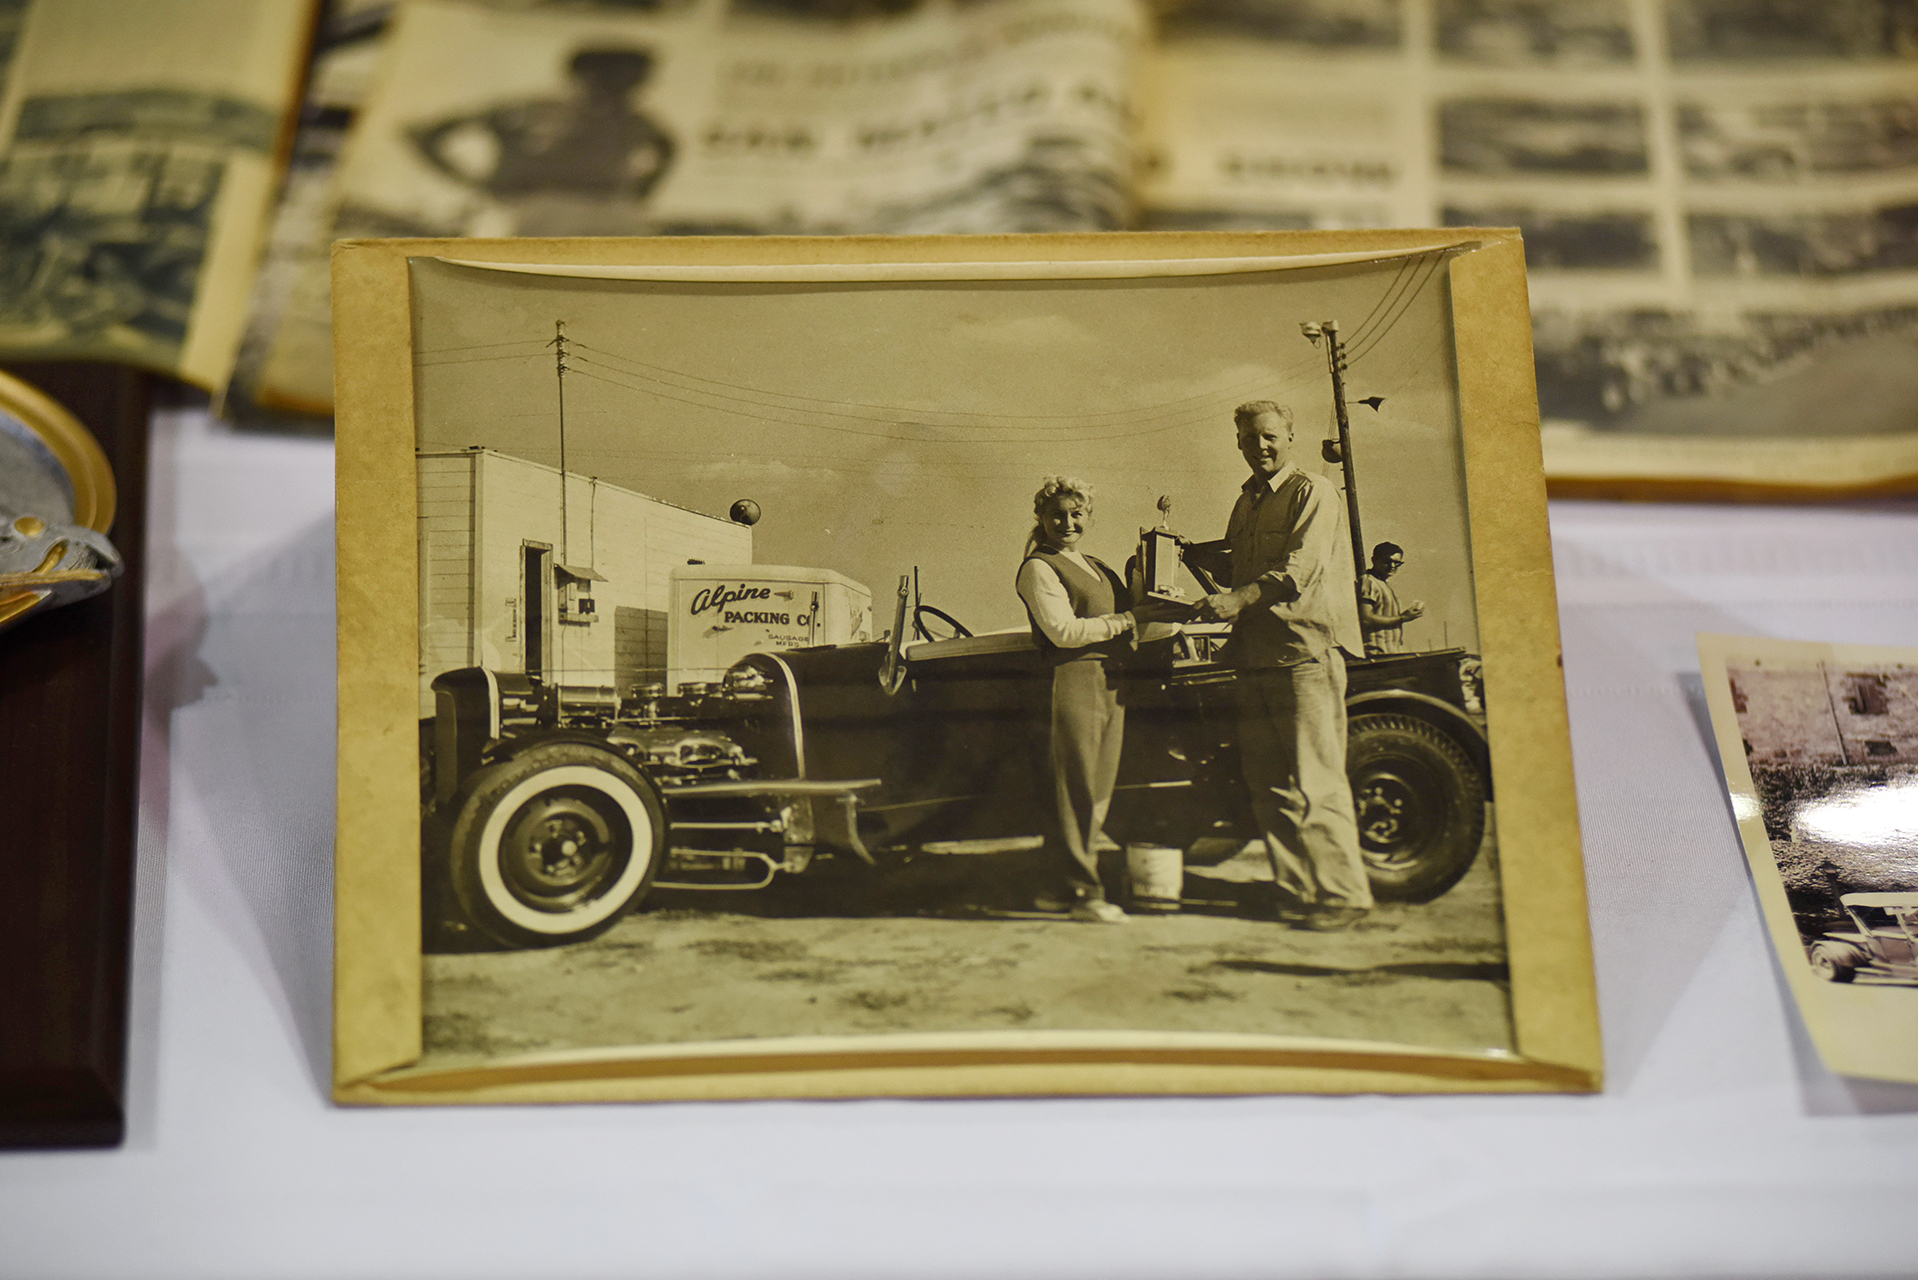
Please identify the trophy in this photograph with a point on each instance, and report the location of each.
(1159, 557)
(56, 500)
(1162, 553)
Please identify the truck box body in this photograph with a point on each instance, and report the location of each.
(722, 612)
(502, 586)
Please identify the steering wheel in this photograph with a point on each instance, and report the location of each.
(921, 613)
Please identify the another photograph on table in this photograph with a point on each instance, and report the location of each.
(957, 658)
(1820, 748)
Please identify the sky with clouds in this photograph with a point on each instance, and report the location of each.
(883, 427)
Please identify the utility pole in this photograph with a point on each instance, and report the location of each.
(559, 369)
(1837, 725)
(1335, 359)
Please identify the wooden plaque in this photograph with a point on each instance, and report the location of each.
(69, 774)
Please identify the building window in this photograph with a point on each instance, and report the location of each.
(1866, 695)
(1878, 747)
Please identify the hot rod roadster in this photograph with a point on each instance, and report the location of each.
(1883, 945)
(551, 810)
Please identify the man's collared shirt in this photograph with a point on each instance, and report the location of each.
(1288, 534)
(1378, 593)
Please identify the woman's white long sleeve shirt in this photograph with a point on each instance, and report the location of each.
(1051, 607)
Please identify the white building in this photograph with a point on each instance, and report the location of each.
(504, 584)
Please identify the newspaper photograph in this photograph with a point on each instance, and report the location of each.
(715, 119)
(138, 152)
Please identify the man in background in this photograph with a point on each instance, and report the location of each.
(1380, 617)
(1294, 617)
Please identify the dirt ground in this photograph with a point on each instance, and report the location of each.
(934, 945)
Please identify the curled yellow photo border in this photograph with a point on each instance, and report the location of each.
(377, 955)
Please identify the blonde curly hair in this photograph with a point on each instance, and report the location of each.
(1050, 488)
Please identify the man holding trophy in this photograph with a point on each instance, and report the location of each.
(1294, 617)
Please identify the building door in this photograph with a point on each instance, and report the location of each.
(536, 608)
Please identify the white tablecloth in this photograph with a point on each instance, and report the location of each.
(1720, 1146)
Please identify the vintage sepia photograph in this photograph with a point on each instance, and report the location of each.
(828, 658)
(1834, 756)
(1825, 784)
(792, 611)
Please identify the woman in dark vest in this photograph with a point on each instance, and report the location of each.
(1083, 619)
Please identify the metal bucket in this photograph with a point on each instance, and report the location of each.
(1157, 873)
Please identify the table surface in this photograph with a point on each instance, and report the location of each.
(1720, 1146)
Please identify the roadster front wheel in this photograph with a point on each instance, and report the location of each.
(1420, 804)
(555, 844)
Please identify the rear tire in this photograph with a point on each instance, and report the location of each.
(555, 845)
(1420, 803)
(1834, 961)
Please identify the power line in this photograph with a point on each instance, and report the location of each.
(1152, 418)
(434, 364)
(867, 465)
(1358, 333)
(481, 346)
(1438, 344)
(1280, 374)
(1059, 438)
(1219, 396)
(1143, 414)
(1394, 309)
(895, 411)
(1410, 296)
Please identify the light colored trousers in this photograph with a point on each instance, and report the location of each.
(1088, 728)
(1292, 751)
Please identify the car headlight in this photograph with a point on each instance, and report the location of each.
(747, 682)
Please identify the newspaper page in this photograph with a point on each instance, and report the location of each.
(138, 147)
(1719, 199)
(346, 53)
(707, 117)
